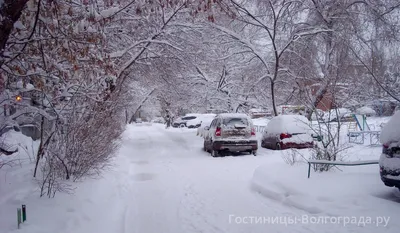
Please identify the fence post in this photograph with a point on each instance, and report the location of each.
(309, 169)
(23, 213)
(19, 217)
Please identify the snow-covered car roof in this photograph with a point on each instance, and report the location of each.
(288, 124)
(390, 132)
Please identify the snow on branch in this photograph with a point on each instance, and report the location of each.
(123, 52)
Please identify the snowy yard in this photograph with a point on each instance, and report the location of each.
(91, 84)
(162, 181)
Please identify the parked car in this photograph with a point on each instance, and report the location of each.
(230, 132)
(389, 161)
(201, 119)
(287, 131)
(193, 124)
(180, 122)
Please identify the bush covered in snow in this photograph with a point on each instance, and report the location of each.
(368, 111)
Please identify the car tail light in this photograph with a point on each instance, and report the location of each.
(386, 150)
(218, 132)
(285, 135)
(253, 131)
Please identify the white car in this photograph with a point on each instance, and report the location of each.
(389, 161)
(197, 122)
(180, 122)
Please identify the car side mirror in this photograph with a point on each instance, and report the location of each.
(207, 128)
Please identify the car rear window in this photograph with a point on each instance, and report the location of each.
(234, 121)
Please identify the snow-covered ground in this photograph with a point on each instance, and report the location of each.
(162, 181)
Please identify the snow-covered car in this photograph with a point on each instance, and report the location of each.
(198, 122)
(389, 161)
(180, 122)
(192, 124)
(287, 131)
(230, 132)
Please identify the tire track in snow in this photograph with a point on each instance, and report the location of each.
(152, 201)
(193, 207)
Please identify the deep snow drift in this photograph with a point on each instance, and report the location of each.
(162, 181)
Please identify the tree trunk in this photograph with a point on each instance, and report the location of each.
(273, 98)
(40, 146)
(318, 98)
(10, 11)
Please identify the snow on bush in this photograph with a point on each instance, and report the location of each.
(391, 130)
(109, 12)
(366, 111)
(336, 113)
(24, 146)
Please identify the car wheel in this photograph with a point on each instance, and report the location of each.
(214, 153)
(182, 126)
(254, 152)
(278, 146)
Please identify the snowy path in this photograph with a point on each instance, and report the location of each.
(162, 182)
(169, 185)
(166, 183)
